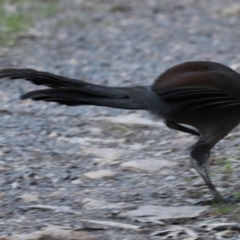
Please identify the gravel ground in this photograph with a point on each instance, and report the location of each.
(46, 150)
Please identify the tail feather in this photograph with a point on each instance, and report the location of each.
(73, 97)
(56, 81)
(39, 77)
(74, 92)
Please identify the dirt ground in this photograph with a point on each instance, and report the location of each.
(65, 166)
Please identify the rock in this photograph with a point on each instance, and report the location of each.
(231, 10)
(163, 212)
(53, 134)
(87, 140)
(220, 226)
(225, 234)
(235, 66)
(182, 140)
(106, 155)
(56, 209)
(103, 173)
(113, 224)
(77, 182)
(96, 204)
(176, 232)
(53, 233)
(1, 153)
(170, 178)
(152, 165)
(28, 197)
(131, 119)
(136, 146)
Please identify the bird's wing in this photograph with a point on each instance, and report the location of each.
(199, 84)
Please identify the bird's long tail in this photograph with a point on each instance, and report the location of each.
(74, 92)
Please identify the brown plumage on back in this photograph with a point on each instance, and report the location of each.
(204, 95)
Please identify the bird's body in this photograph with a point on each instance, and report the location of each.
(204, 95)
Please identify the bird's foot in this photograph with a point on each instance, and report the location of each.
(219, 200)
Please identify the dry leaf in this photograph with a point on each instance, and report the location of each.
(162, 212)
(51, 233)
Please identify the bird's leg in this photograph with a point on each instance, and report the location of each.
(199, 160)
(203, 172)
